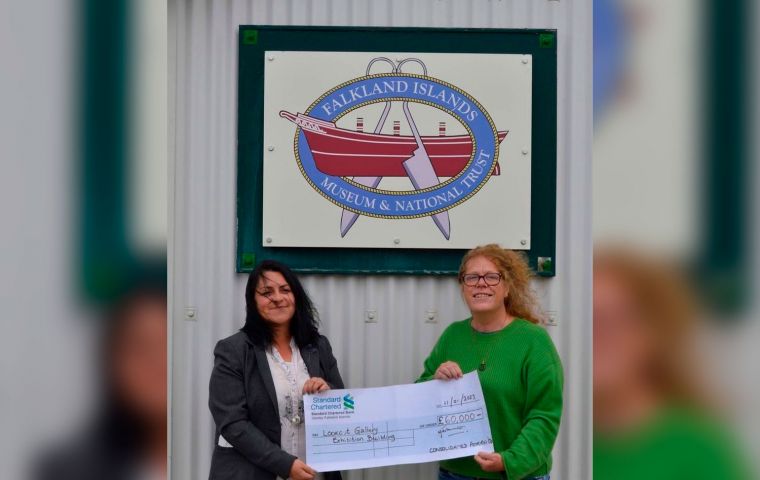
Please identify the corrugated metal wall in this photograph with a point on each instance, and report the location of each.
(202, 137)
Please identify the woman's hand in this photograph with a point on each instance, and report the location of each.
(448, 371)
(490, 462)
(301, 471)
(315, 385)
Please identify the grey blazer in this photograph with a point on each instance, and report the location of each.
(243, 403)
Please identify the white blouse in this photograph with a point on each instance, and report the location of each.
(289, 378)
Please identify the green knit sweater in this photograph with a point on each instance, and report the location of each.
(522, 385)
(676, 442)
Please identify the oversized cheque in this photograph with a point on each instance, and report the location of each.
(373, 427)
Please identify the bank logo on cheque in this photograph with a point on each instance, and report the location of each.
(347, 166)
(333, 405)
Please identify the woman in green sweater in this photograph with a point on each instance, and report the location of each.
(654, 414)
(519, 369)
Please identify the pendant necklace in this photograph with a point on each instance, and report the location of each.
(483, 358)
(294, 405)
(296, 418)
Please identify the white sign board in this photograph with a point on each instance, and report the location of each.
(374, 427)
(407, 150)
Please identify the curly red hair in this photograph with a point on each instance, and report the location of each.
(521, 300)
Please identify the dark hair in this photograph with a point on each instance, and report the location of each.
(119, 428)
(305, 322)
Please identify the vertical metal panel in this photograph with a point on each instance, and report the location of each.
(203, 72)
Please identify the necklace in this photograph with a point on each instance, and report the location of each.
(475, 344)
(293, 401)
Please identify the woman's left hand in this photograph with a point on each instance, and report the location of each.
(315, 385)
(490, 462)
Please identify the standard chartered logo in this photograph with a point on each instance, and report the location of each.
(333, 404)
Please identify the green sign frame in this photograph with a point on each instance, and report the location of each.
(255, 40)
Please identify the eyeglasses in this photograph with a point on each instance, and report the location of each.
(472, 279)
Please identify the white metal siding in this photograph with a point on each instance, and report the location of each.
(202, 136)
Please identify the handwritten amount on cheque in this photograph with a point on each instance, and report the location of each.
(371, 433)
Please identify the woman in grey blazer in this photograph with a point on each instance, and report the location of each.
(259, 378)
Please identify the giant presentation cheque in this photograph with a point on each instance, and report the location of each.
(373, 427)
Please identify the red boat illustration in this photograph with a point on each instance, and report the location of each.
(348, 153)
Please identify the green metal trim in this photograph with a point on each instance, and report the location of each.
(103, 140)
(724, 257)
(368, 39)
(108, 264)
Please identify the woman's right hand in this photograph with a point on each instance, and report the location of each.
(301, 471)
(448, 371)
